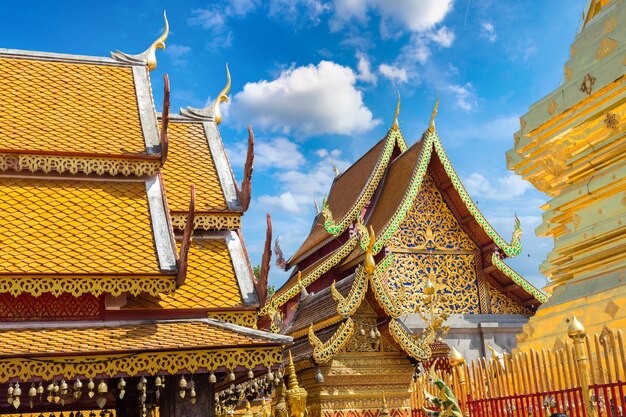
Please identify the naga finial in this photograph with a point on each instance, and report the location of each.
(221, 97)
(431, 125)
(395, 125)
(304, 293)
(317, 208)
(148, 57)
(370, 263)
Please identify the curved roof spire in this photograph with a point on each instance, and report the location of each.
(221, 97)
(148, 57)
(431, 125)
(395, 125)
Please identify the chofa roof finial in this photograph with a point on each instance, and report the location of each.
(221, 97)
(148, 57)
(431, 125)
(395, 125)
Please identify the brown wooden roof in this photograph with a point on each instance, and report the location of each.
(343, 195)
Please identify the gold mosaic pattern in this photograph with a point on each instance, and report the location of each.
(429, 224)
(75, 227)
(501, 304)
(454, 275)
(68, 107)
(211, 281)
(189, 162)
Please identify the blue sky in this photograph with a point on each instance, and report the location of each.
(317, 79)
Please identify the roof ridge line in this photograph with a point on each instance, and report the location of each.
(382, 163)
(61, 57)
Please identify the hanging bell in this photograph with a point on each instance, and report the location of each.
(377, 332)
(40, 389)
(250, 374)
(212, 378)
(192, 395)
(231, 376)
(17, 391)
(10, 394)
(362, 331)
(78, 385)
(63, 387)
(183, 383)
(55, 388)
(270, 374)
(157, 382)
(32, 392)
(121, 384)
(372, 333)
(102, 388)
(319, 378)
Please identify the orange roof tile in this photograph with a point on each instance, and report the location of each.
(190, 162)
(210, 282)
(75, 227)
(68, 107)
(131, 337)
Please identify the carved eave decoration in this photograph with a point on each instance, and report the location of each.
(323, 352)
(95, 285)
(148, 57)
(183, 260)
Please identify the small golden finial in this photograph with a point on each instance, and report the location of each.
(303, 290)
(370, 263)
(576, 328)
(385, 411)
(455, 357)
(221, 97)
(148, 57)
(395, 125)
(431, 125)
(336, 171)
(293, 380)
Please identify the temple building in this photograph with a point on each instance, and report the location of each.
(397, 251)
(571, 147)
(124, 280)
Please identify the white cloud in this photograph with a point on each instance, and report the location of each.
(215, 18)
(298, 12)
(504, 188)
(488, 31)
(443, 36)
(465, 96)
(274, 153)
(177, 53)
(285, 201)
(309, 100)
(411, 15)
(364, 68)
(394, 73)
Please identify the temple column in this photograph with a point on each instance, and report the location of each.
(173, 405)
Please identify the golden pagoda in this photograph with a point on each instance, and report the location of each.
(571, 147)
(124, 281)
(397, 237)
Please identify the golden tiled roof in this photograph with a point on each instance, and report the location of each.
(162, 335)
(68, 107)
(210, 282)
(189, 162)
(75, 227)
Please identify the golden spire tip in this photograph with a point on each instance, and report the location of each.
(221, 97)
(395, 125)
(431, 125)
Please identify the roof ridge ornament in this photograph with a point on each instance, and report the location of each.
(431, 125)
(395, 125)
(212, 111)
(148, 57)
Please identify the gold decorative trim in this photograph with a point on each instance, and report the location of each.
(94, 366)
(75, 165)
(240, 318)
(77, 286)
(381, 291)
(323, 352)
(347, 306)
(407, 342)
(307, 280)
(208, 221)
